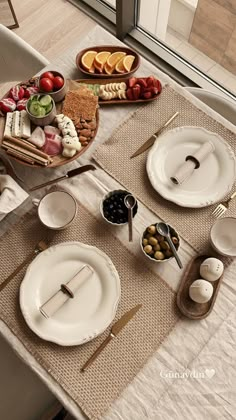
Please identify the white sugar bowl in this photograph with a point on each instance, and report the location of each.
(201, 291)
(211, 269)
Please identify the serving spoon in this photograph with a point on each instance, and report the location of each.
(163, 229)
(130, 202)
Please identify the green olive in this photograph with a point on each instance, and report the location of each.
(152, 241)
(164, 245)
(148, 249)
(159, 255)
(145, 242)
(157, 247)
(160, 238)
(151, 229)
(148, 235)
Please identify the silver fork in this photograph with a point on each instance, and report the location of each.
(223, 207)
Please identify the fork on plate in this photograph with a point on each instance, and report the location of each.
(223, 207)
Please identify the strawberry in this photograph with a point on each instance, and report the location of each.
(150, 80)
(157, 84)
(7, 105)
(154, 90)
(17, 92)
(129, 94)
(136, 91)
(147, 95)
(132, 81)
(142, 82)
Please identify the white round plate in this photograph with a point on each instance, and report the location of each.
(208, 184)
(92, 309)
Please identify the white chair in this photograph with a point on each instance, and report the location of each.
(18, 60)
(220, 104)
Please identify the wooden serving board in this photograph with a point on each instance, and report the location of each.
(187, 306)
(114, 101)
(57, 160)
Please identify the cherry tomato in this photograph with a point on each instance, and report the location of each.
(48, 75)
(58, 82)
(46, 85)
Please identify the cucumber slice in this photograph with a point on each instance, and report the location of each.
(45, 100)
(36, 109)
(48, 108)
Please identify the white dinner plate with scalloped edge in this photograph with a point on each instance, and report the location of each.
(207, 185)
(92, 309)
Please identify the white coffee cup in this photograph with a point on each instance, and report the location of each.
(57, 209)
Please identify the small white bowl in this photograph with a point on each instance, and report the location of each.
(57, 209)
(174, 233)
(47, 119)
(110, 194)
(223, 236)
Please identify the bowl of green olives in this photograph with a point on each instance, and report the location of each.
(154, 245)
(113, 209)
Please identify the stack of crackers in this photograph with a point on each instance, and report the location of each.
(81, 105)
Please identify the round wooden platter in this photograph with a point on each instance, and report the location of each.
(111, 49)
(186, 305)
(57, 160)
(116, 101)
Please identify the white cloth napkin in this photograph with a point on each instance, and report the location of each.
(59, 298)
(11, 195)
(188, 167)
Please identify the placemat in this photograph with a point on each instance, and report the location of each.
(122, 359)
(114, 157)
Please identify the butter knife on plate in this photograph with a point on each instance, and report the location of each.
(69, 174)
(115, 329)
(153, 138)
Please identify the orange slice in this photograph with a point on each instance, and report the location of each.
(128, 62)
(88, 59)
(114, 58)
(100, 59)
(120, 66)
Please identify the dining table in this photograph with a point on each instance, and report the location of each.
(189, 370)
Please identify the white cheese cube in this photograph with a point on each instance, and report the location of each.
(8, 124)
(16, 124)
(25, 128)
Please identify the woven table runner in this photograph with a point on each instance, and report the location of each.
(122, 359)
(114, 157)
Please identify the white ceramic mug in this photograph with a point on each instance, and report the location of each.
(57, 209)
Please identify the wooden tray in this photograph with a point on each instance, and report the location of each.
(112, 49)
(115, 101)
(187, 306)
(57, 160)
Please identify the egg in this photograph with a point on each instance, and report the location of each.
(211, 269)
(201, 291)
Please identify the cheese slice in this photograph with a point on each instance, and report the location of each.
(16, 124)
(25, 128)
(8, 124)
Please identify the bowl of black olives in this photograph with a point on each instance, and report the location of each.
(154, 245)
(113, 208)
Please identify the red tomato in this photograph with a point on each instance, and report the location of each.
(46, 85)
(48, 75)
(58, 82)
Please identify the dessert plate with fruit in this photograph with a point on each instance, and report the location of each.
(108, 61)
(47, 121)
(125, 91)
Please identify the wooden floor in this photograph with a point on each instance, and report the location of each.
(50, 26)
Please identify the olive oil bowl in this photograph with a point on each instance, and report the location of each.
(154, 246)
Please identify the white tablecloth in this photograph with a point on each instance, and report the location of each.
(193, 373)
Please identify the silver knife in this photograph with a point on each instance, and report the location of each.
(69, 174)
(153, 138)
(116, 328)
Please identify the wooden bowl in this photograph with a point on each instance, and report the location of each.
(187, 306)
(111, 49)
(58, 160)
